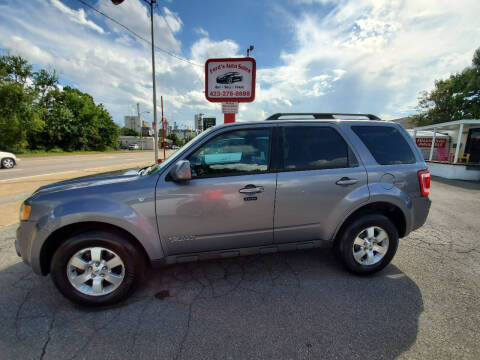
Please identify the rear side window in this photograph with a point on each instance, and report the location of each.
(387, 144)
(315, 147)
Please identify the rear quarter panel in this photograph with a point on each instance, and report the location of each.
(396, 184)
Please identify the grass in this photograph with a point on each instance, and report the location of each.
(35, 153)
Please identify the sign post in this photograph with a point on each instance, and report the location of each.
(229, 109)
(230, 81)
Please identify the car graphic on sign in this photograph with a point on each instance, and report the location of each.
(229, 77)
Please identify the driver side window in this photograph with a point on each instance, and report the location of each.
(233, 153)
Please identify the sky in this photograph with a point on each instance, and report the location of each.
(363, 56)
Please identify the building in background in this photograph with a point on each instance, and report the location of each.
(138, 124)
(168, 128)
(146, 129)
(203, 122)
(451, 149)
(133, 122)
(183, 134)
(198, 122)
(144, 143)
(404, 122)
(208, 121)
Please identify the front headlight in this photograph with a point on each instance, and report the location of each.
(25, 211)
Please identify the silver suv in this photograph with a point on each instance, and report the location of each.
(295, 181)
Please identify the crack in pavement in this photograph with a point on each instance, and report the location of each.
(47, 341)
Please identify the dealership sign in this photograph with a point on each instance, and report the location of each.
(426, 142)
(230, 107)
(230, 80)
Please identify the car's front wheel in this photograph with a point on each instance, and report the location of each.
(96, 268)
(8, 163)
(368, 244)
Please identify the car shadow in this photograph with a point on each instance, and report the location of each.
(465, 184)
(286, 305)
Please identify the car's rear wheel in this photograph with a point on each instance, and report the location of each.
(8, 163)
(96, 268)
(368, 244)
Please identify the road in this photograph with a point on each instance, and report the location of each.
(299, 305)
(46, 165)
(18, 183)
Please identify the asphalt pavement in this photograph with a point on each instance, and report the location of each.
(298, 305)
(48, 165)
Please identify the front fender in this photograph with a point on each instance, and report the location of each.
(138, 219)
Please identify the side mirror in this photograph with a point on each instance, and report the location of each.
(181, 171)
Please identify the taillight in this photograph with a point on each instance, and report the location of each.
(424, 180)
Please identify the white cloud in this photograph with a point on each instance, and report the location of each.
(361, 56)
(206, 48)
(134, 15)
(338, 74)
(76, 15)
(377, 54)
(201, 31)
(25, 48)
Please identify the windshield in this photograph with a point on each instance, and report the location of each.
(156, 167)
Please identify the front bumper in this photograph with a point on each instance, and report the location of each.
(26, 233)
(17, 248)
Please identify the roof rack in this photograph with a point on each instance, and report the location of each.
(277, 116)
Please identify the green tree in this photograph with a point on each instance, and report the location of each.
(455, 98)
(174, 138)
(17, 116)
(476, 59)
(128, 132)
(35, 114)
(92, 128)
(44, 80)
(187, 139)
(15, 68)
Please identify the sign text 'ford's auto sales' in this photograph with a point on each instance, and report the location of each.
(230, 79)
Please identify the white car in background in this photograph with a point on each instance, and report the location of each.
(8, 160)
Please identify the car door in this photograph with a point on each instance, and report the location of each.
(319, 180)
(229, 201)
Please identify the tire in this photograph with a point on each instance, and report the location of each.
(83, 249)
(8, 163)
(362, 253)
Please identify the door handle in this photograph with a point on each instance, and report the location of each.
(346, 181)
(251, 189)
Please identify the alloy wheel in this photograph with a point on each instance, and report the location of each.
(370, 245)
(95, 271)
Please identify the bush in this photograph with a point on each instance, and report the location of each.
(56, 150)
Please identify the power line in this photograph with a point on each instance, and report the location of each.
(138, 35)
(165, 19)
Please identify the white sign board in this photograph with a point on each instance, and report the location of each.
(230, 80)
(230, 107)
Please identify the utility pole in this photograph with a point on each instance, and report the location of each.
(152, 2)
(140, 122)
(163, 130)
